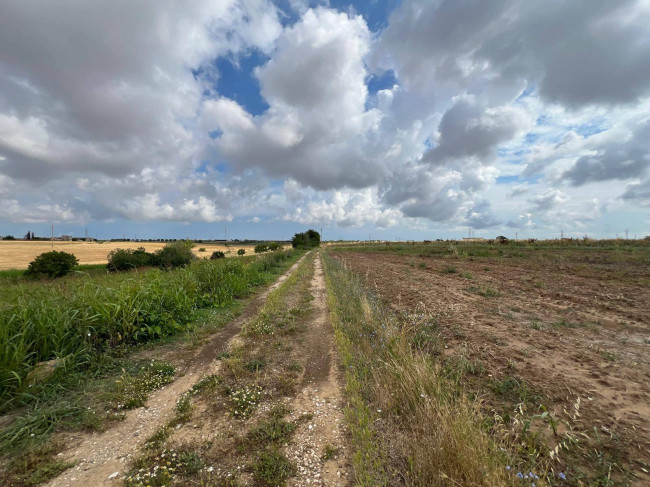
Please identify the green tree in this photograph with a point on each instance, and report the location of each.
(308, 239)
(52, 264)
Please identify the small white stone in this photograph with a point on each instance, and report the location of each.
(113, 475)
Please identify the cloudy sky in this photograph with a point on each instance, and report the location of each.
(394, 119)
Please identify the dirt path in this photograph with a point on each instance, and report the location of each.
(319, 446)
(102, 457)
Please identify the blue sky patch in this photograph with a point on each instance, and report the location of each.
(237, 81)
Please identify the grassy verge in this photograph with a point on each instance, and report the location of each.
(241, 413)
(411, 422)
(90, 395)
(72, 320)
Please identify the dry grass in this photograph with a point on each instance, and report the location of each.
(18, 254)
(410, 422)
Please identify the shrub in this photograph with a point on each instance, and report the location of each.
(202, 249)
(273, 246)
(261, 248)
(52, 264)
(241, 251)
(218, 254)
(308, 239)
(8, 237)
(125, 259)
(175, 254)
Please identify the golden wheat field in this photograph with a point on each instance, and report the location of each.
(18, 254)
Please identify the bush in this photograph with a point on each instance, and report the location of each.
(126, 259)
(8, 237)
(273, 246)
(202, 249)
(241, 251)
(261, 248)
(175, 254)
(218, 254)
(308, 239)
(52, 264)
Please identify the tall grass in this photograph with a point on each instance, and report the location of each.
(411, 422)
(75, 319)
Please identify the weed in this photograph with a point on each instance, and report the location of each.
(244, 400)
(274, 430)
(485, 291)
(467, 275)
(329, 452)
(610, 356)
(255, 365)
(272, 468)
(511, 388)
(132, 391)
(449, 270)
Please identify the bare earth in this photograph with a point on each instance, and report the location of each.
(601, 356)
(18, 254)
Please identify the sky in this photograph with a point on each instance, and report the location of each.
(411, 119)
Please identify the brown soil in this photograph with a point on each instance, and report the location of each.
(568, 329)
(102, 457)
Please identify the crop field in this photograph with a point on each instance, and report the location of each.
(551, 339)
(18, 254)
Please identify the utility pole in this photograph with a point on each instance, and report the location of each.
(225, 233)
(321, 234)
(626, 234)
(52, 235)
(516, 236)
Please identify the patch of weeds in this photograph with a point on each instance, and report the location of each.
(535, 325)
(133, 391)
(184, 407)
(35, 466)
(450, 269)
(610, 356)
(255, 365)
(422, 265)
(285, 384)
(184, 402)
(329, 452)
(458, 366)
(485, 291)
(510, 388)
(272, 468)
(156, 440)
(294, 367)
(163, 468)
(224, 355)
(458, 332)
(245, 400)
(274, 430)
(512, 364)
(539, 284)
(467, 275)
(487, 269)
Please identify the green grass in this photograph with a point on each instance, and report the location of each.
(272, 468)
(75, 319)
